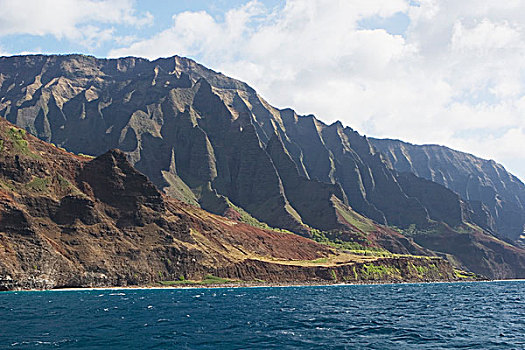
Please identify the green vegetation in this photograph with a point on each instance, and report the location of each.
(360, 222)
(250, 220)
(333, 274)
(467, 228)
(1, 146)
(65, 185)
(20, 145)
(6, 185)
(376, 272)
(465, 275)
(17, 136)
(413, 230)
(247, 218)
(86, 155)
(208, 279)
(353, 247)
(410, 231)
(293, 212)
(424, 270)
(460, 273)
(38, 184)
(179, 189)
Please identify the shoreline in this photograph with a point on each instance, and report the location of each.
(248, 285)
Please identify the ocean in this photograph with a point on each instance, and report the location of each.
(478, 315)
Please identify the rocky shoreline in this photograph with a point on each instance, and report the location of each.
(252, 273)
(244, 284)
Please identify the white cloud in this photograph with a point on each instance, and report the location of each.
(3, 52)
(484, 37)
(455, 77)
(84, 21)
(199, 34)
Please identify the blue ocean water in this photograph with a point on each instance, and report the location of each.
(485, 315)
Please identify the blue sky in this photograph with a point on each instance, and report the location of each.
(162, 12)
(425, 71)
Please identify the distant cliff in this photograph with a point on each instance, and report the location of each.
(496, 196)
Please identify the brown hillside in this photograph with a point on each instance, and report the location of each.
(73, 221)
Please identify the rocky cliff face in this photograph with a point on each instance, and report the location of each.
(212, 141)
(72, 221)
(201, 136)
(497, 198)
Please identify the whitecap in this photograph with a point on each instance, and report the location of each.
(287, 332)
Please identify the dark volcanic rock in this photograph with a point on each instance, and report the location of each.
(477, 252)
(489, 188)
(311, 198)
(443, 204)
(72, 208)
(187, 127)
(115, 182)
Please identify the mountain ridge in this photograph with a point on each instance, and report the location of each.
(481, 182)
(213, 141)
